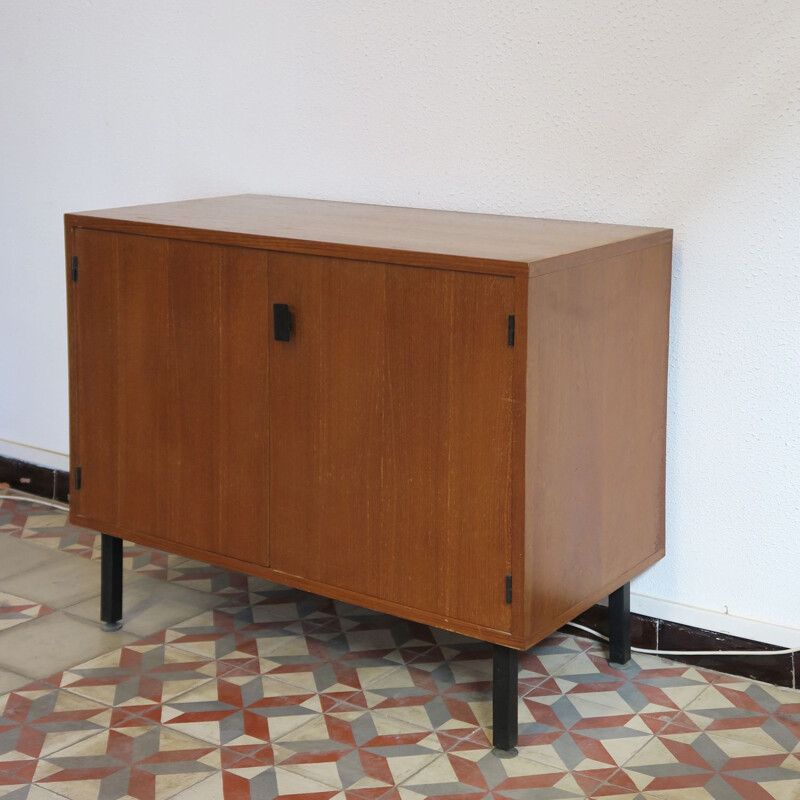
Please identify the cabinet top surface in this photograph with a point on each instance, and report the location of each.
(291, 223)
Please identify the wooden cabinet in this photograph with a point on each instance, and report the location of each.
(464, 426)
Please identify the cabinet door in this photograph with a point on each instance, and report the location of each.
(171, 372)
(390, 420)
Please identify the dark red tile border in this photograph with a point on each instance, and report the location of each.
(776, 669)
(28, 477)
(644, 630)
(61, 492)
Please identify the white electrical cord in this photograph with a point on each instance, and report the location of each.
(62, 507)
(693, 652)
(25, 499)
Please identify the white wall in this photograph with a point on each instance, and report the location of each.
(681, 113)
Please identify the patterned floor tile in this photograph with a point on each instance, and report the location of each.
(702, 766)
(574, 733)
(50, 528)
(262, 783)
(549, 657)
(16, 610)
(282, 693)
(358, 750)
(147, 763)
(23, 790)
(759, 713)
(481, 774)
(145, 560)
(218, 634)
(449, 688)
(374, 635)
(346, 656)
(253, 709)
(647, 685)
(249, 773)
(429, 698)
(38, 720)
(204, 577)
(608, 792)
(276, 601)
(139, 676)
(333, 660)
(470, 660)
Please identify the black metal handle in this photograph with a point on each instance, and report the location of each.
(282, 318)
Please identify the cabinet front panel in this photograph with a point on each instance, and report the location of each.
(390, 420)
(326, 417)
(172, 349)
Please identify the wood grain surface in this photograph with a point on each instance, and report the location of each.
(171, 374)
(596, 431)
(422, 237)
(396, 452)
(390, 415)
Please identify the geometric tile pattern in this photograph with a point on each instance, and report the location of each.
(479, 774)
(15, 610)
(145, 560)
(138, 677)
(45, 526)
(358, 750)
(38, 720)
(763, 715)
(246, 710)
(691, 764)
(647, 685)
(574, 734)
(279, 693)
(148, 762)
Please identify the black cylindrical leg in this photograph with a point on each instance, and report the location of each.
(111, 582)
(619, 626)
(504, 698)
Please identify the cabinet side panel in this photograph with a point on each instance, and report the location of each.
(596, 428)
(95, 375)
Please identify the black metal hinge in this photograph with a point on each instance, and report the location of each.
(78, 476)
(508, 588)
(74, 268)
(511, 326)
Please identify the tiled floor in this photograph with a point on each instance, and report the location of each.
(222, 686)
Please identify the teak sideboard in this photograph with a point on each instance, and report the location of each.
(455, 418)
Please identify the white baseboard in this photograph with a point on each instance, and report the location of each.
(715, 621)
(34, 455)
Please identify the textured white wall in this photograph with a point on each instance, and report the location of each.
(681, 113)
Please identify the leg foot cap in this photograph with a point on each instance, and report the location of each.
(111, 626)
(504, 753)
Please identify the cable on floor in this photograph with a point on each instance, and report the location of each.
(692, 652)
(25, 499)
